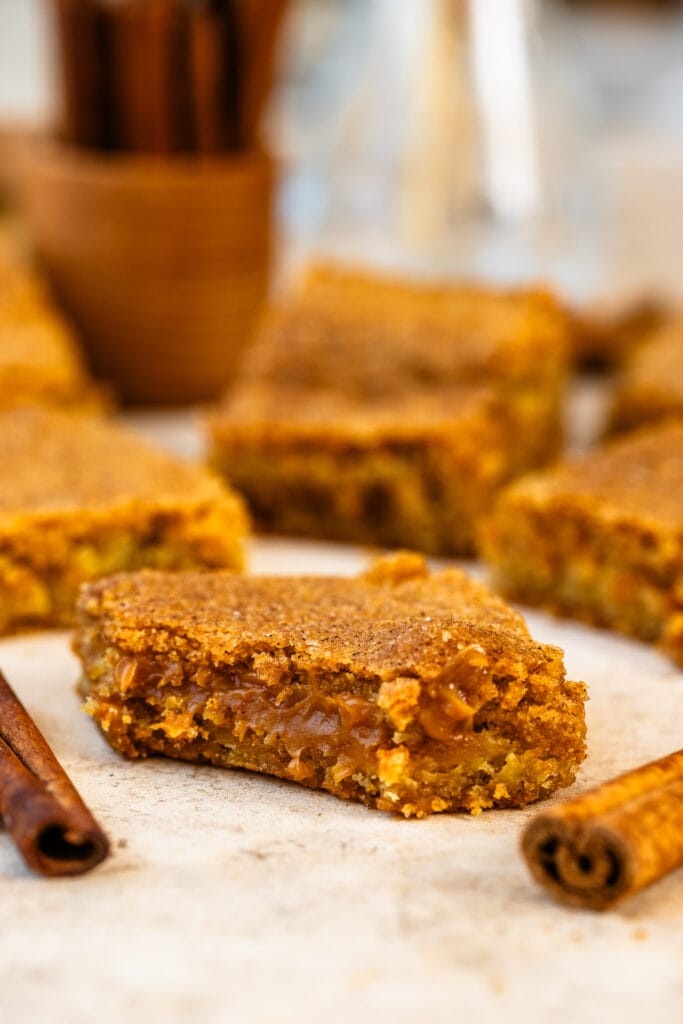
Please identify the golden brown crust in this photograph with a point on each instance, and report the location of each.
(366, 335)
(411, 692)
(382, 412)
(635, 479)
(379, 618)
(39, 356)
(60, 463)
(650, 387)
(83, 497)
(601, 537)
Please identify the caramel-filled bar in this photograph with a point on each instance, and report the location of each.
(410, 692)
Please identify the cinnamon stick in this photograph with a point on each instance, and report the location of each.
(214, 74)
(612, 842)
(149, 58)
(83, 60)
(260, 22)
(50, 824)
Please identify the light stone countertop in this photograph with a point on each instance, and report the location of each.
(234, 897)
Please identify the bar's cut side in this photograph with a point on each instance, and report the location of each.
(81, 498)
(417, 472)
(600, 538)
(409, 692)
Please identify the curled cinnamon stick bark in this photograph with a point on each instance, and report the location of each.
(50, 824)
(214, 64)
(612, 842)
(260, 27)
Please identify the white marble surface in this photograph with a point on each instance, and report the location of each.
(232, 897)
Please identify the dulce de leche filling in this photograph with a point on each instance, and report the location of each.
(311, 724)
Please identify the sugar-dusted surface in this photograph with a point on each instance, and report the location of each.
(81, 497)
(328, 335)
(638, 478)
(651, 383)
(231, 897)
(39, 355)
(397, 612)
(53, 462)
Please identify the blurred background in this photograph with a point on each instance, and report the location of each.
(504, 139)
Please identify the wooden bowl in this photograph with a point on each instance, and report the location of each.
(162, 262)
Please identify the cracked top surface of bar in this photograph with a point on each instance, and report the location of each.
(367, 335)
(395, 613)
(53, 461)
(639, 476)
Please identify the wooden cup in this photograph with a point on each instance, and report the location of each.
(162, 262)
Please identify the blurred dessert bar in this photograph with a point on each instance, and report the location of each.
(416, 471)
(81, 497)
(376, 411)
(600, 538)
(605, 335)
(650, 386)
(410, 692)
(39, 356)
